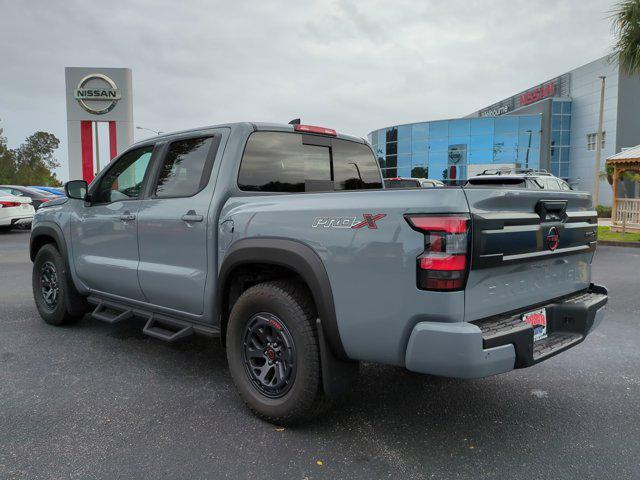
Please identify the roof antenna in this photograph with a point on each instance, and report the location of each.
(295, 121)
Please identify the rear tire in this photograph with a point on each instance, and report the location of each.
(57, 300)
(275, 322)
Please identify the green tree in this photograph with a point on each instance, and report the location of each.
(7, 161)
(626, 28)
(35, 161)
(32, 163)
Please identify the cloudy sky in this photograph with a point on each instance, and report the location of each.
(353, 66)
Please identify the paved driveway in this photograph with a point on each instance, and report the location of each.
(100, 401)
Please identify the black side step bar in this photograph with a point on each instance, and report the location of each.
(160, 326)
(166, 329)
(106, 313)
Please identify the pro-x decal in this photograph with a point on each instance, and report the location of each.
(368, 220)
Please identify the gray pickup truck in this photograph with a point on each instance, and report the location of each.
(282, 241)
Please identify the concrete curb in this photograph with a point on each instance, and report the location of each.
(615, 243)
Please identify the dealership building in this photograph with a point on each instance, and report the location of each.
(549, 126)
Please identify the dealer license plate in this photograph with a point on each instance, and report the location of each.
(538, 320)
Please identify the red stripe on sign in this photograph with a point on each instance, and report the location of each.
(86, 147)
(113, 143)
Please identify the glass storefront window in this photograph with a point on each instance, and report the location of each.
(505, 125)
(505, 141)
(529, 139)
(504, 155)
(482, 126)
(566, 108)
(404, 172)
(445, 148)
(419, 131)
(420, 145)
(481, 142)
(529, 157)
(404, 132)
(566, 122)
(419, 159)
(566, 138)
(458, 128)
(392, 148)
(391, 161)
(438, 144)
(529, 122)
(556, 107)
(392, 135)
(564, 170)
(404, 146)
(482, 156)
(404, 161)
(439, 129)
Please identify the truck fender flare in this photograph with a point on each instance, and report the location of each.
(48, 230)
(295, 256)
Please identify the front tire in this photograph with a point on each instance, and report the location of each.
(273, 352)
(56, 298)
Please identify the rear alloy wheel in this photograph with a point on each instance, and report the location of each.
(269, 355)
(273, 352)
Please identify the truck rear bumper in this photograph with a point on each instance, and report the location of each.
(503, 342)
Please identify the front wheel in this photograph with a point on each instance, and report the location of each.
(56, 298)
(273, 352)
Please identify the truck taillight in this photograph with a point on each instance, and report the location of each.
(9, 204)
(444, 264)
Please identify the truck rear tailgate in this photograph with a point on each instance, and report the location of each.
(527, 247)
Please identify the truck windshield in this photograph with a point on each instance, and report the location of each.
(293, 162)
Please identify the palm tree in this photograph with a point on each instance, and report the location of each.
(625, 24)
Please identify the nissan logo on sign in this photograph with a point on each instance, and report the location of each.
(97, 94)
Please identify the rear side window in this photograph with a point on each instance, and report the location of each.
(185, 168)
(282, 162)
(354, 166)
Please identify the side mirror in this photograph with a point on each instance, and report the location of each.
(76, 189)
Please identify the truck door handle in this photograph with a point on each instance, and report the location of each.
(192, 216)
(127, 216)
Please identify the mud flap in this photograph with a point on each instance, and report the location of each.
(338, 376)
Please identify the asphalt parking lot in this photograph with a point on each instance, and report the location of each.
(101, 401)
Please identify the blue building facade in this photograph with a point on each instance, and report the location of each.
(453, 150)
(550, 126)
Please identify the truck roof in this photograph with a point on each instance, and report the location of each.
(255, 126)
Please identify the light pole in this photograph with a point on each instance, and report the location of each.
(596, 173)
(526, 161)
(157, 132)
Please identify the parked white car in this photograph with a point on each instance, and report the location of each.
(15, 211)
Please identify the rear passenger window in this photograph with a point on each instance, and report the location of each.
(354, 166)
(281, 162)
(186, 167)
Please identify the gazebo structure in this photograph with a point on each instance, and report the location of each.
(626, 211)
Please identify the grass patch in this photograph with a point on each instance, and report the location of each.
(605, 233)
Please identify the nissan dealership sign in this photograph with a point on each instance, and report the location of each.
(97, 94)
(97, 97)
(557, 87)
